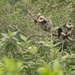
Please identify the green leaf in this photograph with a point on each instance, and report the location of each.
(51, 43)
(56, 44)
(56, 64)
(9, 32)
(41, 42)
(44, 43)
(43, 71)
(19, 43)
(33, 49)
(66, 57)
(14, 33)
(23, 37)
(14, 38)
(72, 56)
(10, 65)
(4, 34)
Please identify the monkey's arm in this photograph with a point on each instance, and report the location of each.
(63, 34)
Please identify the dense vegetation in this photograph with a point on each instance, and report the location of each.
(26, 49)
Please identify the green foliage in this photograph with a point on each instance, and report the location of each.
(22, 40)
(43, 54)
(43, 71)
(10, 67)
(57, 69)
(9, 39)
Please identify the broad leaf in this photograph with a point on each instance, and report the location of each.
(23, 37)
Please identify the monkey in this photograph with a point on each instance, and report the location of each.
(45, 23)
(66, 31)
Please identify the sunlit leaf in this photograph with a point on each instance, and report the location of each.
(14, 33)
(19, 43)
(43, 71)
(4, 39)
(33, 49)
(66, 57)
(19, 64)
(61, 72)
(41, 42)
(4, 34)
(10, 65)
(44, 43)
(72, 56)
(56, 44)
(23, 37)
(9, 32)
(56, 64)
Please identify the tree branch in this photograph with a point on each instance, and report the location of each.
(30, 14)
(38, 35)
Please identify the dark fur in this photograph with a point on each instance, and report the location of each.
(59, 32)
(67, 32)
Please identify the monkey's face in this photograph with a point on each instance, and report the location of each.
(40, 19)
(69, 25)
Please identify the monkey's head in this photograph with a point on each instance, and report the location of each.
(69, 25)
(40, 18)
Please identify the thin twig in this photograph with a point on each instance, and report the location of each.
(30, 14)
(56, 5)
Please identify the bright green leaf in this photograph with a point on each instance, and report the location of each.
(43, 71)
(23, 37)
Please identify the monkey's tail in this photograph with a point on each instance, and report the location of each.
(59, 32)
(59, 29)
